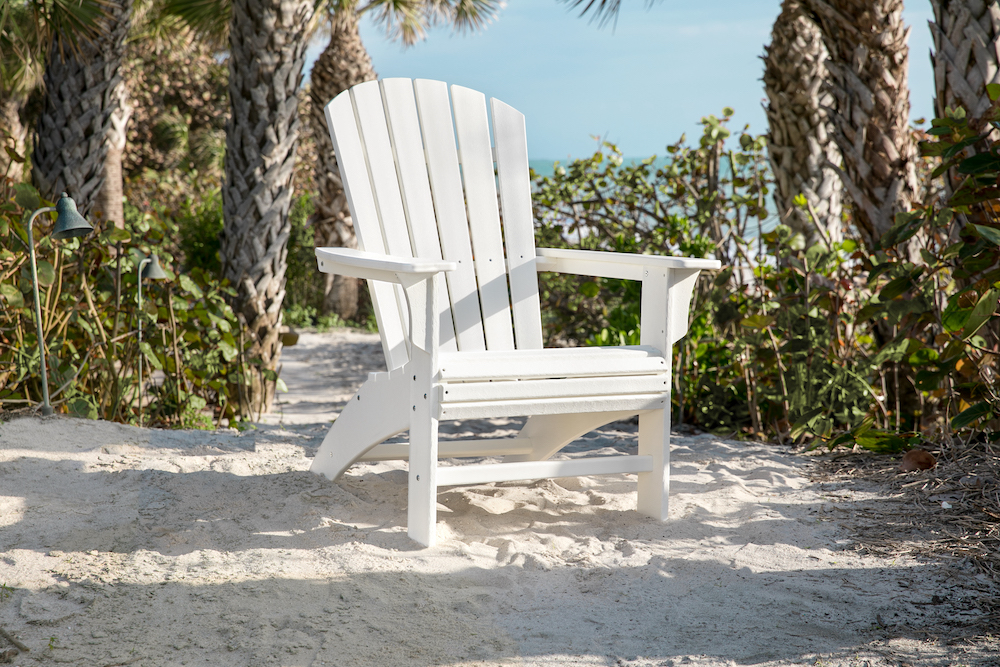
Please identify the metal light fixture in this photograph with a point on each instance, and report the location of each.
(69, 224)
(150, 268)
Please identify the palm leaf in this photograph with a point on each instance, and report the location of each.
(605, 11)
(208, 18)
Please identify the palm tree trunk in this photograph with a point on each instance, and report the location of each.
(342, 64)
(868, 67)
(109, 199)
(965, 60)
(267, 52)
(80, 99)
(10, 120)
(800, 142)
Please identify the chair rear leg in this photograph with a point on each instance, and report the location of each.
(547, 434)
(377, 412)
(654, 440)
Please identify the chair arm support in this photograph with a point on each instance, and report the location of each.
(373, 266)
(602, 264)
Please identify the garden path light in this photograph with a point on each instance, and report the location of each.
(69, 224)
(150, 268)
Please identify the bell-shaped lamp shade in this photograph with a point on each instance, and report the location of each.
(153, 270)
(69, 222)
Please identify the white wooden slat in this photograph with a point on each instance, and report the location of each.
(518, 226)
(582, 267)
(601, 256)
(458, 392)
(411, 168)
(382, 172)
(508, 472)
(347, 142)
(381, 267)
(476, 155)
(382, 168)
(552, 406)
(682, 284)
(438, 131)
(452, 449)
(550, 363)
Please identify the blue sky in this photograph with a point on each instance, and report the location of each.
(640, 85)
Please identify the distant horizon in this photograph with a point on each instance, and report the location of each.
(574, 80)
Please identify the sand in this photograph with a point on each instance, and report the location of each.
(128, 546)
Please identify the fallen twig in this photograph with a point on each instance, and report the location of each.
(14, 640)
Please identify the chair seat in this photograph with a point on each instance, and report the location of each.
(550, 381)
(548, 363)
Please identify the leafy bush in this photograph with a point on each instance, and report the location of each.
(88, 292)
(837, 344)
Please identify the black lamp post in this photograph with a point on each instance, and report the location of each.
(69, 224)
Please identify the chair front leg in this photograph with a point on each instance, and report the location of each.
(654, 426)
(422, 484)
(421, 297)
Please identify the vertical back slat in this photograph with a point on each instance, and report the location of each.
(347, 142)
(518, 225)
(382, 172)
(411, 169)
(434, 110)
(476, 156)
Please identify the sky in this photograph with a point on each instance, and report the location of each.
(640, 84)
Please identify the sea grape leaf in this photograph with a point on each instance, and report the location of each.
(758, 321)
(27, 197)
(970, 415)
(991, 234)
(881, 442)
(981, 313)
(590, 289)
(12, 295)
(895, 287)
(46, 273)
(147, 351)
(954, 317)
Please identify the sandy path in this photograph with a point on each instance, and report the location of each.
(123, 546)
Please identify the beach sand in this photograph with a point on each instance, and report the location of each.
(129, 546)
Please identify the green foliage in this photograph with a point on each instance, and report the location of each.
(304, 289)
(828, 344)
(89, 310)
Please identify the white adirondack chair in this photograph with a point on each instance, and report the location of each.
(453, 279)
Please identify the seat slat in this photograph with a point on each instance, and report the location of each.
(552, 406)
(459, 392)
(411, 168)
(476, 155)
(449, 206)
(518, 225)
(550, 363)
(508, 472)
(350, 151)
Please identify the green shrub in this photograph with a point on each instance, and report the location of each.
(88, 290)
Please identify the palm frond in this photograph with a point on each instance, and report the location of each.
(71, 21)
(605, 11)
(404, 20)
(469, 15)
(208, 18)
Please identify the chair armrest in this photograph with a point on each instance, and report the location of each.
(373, 266)
(629, 266)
